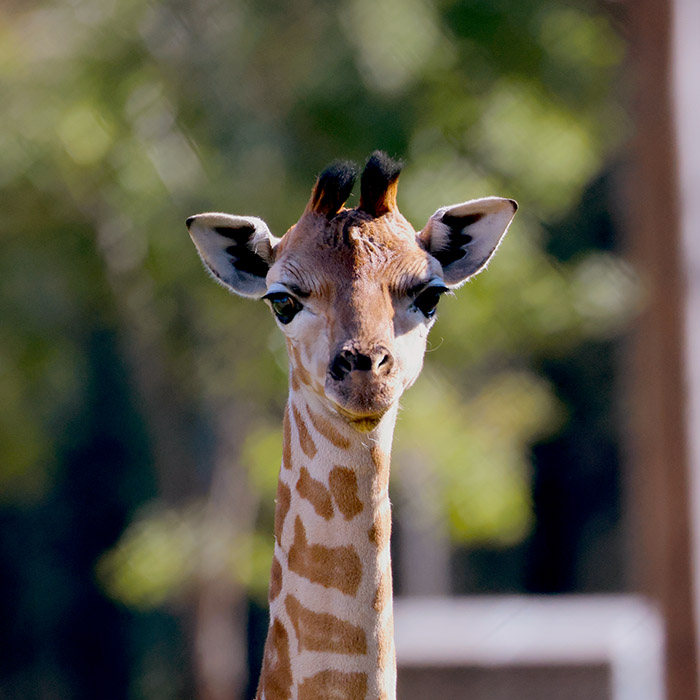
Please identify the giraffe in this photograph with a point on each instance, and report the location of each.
(355, 291)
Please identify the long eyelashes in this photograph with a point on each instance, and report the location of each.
(284, 306)
(427, 300)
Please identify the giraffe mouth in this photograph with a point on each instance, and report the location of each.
(361, 423)
(362, 398)
(363, 407)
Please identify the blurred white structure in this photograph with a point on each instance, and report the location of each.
(525, 647)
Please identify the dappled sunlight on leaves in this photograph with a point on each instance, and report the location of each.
(395, 39)
(85, 135)
(154, 560)
(262, 454)
(164, 553)
(530, 139)
(124, 118)
(477, 449)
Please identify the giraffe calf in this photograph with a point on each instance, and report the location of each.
(355, 292)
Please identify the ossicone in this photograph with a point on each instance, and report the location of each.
(332, 188)
(379, 184)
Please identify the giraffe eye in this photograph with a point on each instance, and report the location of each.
(284, 305)
(426, 302)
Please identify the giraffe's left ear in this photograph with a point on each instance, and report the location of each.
(463, 237)
(237, 250)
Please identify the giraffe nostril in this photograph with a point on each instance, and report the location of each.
(342, 365)
(385, 363)
(363, 362)
(378, 361)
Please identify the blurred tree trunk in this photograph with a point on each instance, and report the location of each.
(220, 639)
(166, 409)
(686, 84)
(423, 540)
(662, 473)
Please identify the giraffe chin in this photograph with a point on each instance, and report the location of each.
(362, 400)
(361, 423)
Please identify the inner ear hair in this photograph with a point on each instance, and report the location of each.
(237, 250)
(449, 236)
(246, 256)
(463, 237)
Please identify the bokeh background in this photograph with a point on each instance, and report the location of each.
(140, 421)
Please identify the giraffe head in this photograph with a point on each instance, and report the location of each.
(354, 290)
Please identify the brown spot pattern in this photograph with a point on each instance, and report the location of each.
(331, 567)
(380, 532)
(305, 439)
(286, 440)
(284, 499)
(343, 483)
(294, 381)
(334, 685)
(328, 431)
(275, 579)
(316, 493)
(381, 462)
(323, 631)
(385, 645)
(276, 677)
(381, 596)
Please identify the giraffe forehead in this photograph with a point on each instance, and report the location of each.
(352, 251)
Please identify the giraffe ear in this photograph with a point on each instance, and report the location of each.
(237, 250)
(463, 237)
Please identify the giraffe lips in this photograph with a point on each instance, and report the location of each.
(361, 423)
(362, 398)
(362, 412)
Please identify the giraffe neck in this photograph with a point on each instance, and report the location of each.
(331, 617)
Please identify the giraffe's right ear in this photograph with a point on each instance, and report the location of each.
(463, 237)
(237, 250)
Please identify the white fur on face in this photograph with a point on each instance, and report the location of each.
(390, 319)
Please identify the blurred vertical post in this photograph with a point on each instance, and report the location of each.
(220, 662)
(686, 84)
(662, 397)
(221, 669)
(424, 546)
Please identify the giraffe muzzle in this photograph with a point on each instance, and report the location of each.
(362, 382)
(378, 361)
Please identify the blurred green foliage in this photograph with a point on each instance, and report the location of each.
(122, 118)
